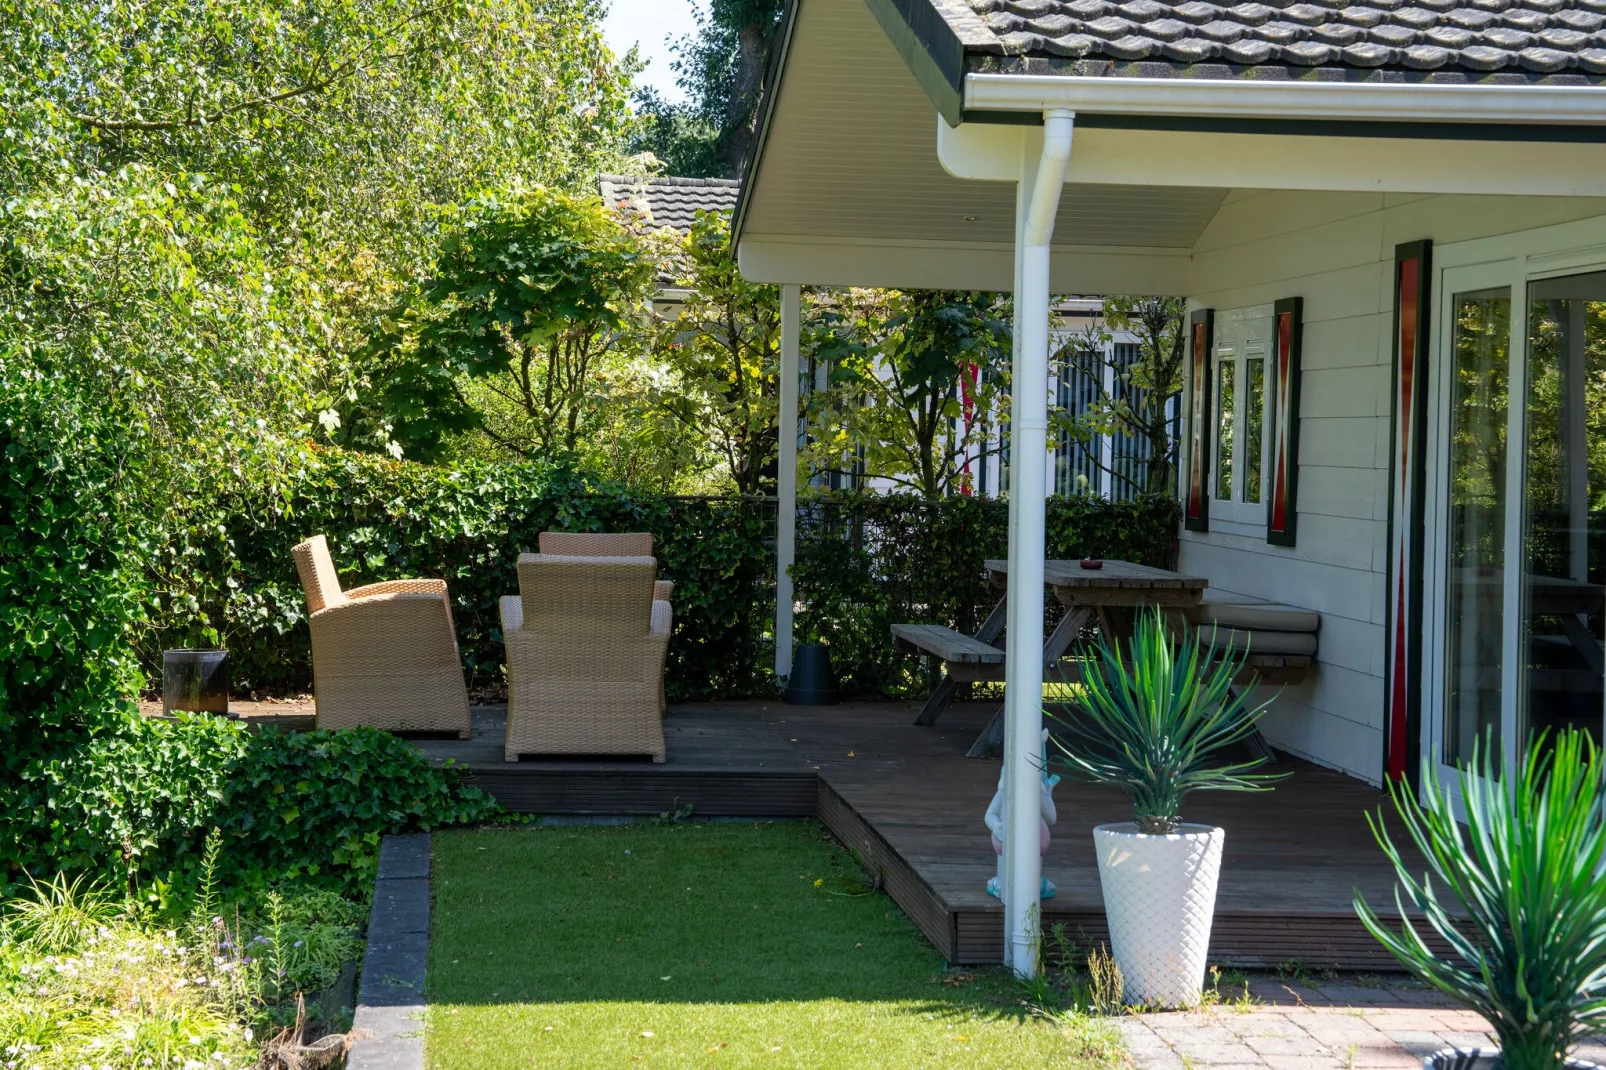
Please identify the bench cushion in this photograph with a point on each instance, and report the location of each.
(1228, 610)
(1262, 642)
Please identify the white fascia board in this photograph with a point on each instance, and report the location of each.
(956, 265)
(1244, 99)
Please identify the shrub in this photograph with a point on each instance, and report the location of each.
(139, 802)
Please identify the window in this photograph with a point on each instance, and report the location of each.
(1240, 361)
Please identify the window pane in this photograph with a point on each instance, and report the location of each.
(1480, 351)
(1565, 490)
(1254, 418)
(1225, 408)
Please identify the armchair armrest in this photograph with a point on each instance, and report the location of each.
(512, 608)
(662, 590)
(663, 618)
(379, 621)
(400, 587)
(434, 588)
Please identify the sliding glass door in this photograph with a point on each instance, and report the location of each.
(1565, 506)
(1516, 584)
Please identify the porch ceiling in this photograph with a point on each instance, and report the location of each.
(851, 153)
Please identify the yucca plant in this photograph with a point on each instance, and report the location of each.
(1152, 713)
(1517, 892)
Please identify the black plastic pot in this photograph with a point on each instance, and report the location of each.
(195, 680)
(812, 682)
(1483, 1059)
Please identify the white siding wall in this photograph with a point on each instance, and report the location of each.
(1336, 250)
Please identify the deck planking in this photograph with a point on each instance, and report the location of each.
(910, 803)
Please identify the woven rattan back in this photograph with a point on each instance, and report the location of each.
(586, 596)
(318, 577)
(593, 544)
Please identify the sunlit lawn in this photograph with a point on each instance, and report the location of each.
(703, 944)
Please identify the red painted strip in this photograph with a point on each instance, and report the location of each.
(1409, 287)
(1279, 482)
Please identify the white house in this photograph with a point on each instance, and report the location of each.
(1389, 221)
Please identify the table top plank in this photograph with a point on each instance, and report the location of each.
(1116, 574)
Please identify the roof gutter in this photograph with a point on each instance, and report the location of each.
(1244, 99)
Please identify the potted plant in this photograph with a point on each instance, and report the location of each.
(1151, 716)
(1516, 892)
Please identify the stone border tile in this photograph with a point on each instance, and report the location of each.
(388, 1026)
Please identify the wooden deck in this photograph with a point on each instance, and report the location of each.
(911, 804)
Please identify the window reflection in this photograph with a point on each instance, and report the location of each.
(1254, 406)
(1480, 352)
(1565, 491)
(1225, 408)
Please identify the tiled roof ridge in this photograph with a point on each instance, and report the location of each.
(1476, 37)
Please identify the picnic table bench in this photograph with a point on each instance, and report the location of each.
(1281, 639)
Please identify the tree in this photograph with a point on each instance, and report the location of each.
(1136, 398)
(332, 131)
(914, 375)
(724, 353)
(722, 71)
(532, 292)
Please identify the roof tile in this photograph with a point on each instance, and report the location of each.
(1425, 57)
(1494, 41)
(666, 201)
(1484, 58)
(1367, 54)
(1544, 60)
(1190, 50)
(1133, 46)
(1335, 34)
(1280, 33)
(1247, 52)
(1309, 53)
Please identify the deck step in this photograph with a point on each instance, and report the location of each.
(956, 648)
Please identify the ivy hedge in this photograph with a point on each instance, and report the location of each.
(864, 562)
(86, 784)
(229, 578)
(867, 562)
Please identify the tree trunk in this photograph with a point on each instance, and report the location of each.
(741, 110)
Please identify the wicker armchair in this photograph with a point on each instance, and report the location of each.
(383, 655)
(596, 544)
(585, 657)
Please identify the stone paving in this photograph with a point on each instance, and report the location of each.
(1310, 1023)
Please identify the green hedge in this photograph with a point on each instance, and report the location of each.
(86, 784)
(865, 563)
(229, 577)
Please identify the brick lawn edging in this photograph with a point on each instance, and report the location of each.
(388, 1026)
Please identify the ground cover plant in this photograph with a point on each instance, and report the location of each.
(89, 977)
(699, 943)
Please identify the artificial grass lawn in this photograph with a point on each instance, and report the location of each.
(702, 944)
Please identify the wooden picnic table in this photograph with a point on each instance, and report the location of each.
(1105, 594)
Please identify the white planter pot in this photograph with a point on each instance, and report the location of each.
(1160, 897)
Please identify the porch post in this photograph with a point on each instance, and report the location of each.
(1023, 661)
(786, 479)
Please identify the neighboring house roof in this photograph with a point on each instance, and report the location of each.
(1556, 41)
(667, 201)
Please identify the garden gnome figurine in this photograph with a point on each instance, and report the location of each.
(995, 824)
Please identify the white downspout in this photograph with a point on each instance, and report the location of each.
(1023, 683)
(786, 479)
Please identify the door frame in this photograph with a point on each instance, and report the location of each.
(1511, 261)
